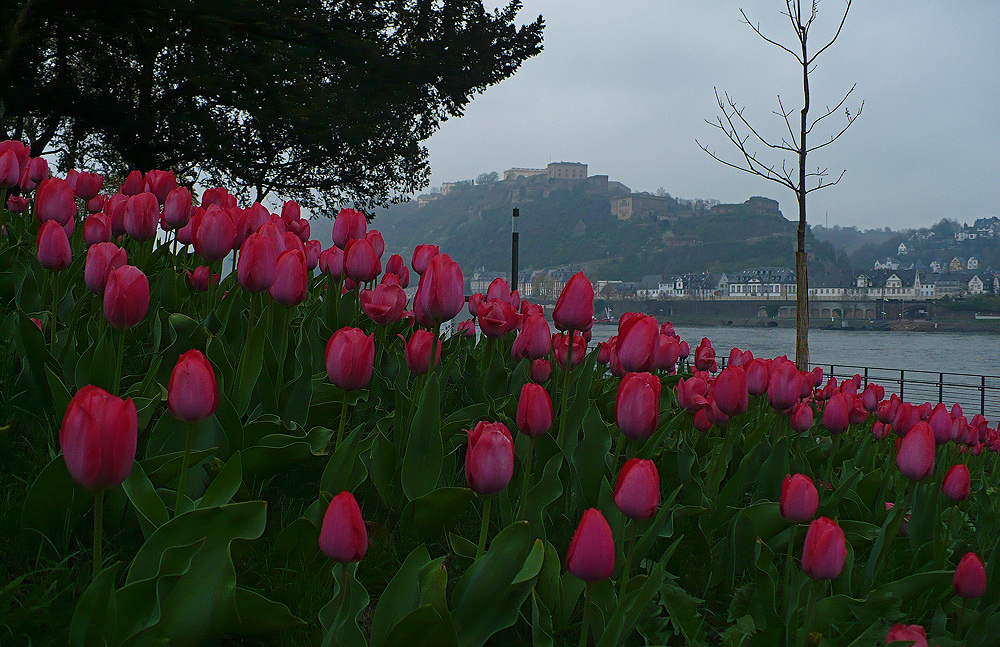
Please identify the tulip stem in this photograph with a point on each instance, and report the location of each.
(585, 627)
(98, 531)
(182, 478)
(627, 571)
(834, 446)
(121, 360)
(481, 546)
(343, 418)
(435, 341)
(788, 562)
(561, 438)
(55, 310)
(527, 475)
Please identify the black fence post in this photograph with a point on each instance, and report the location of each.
(982, 395)
(940, 387)
(901, 375)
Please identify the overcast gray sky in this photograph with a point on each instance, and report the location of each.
(626, 86)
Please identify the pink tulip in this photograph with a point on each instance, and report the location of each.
(637, 490)
(98, 438)
(575, 307)
(422, 256)
(494, 317)
(466, 329)
(871, 397)
(17, 204)
(202, 278)
(534, 410)
(361, 263)
(192, 395)
(88, 185)
(907, 416)
(126, 297)
(541, 370)
(604, 353)
(395, 265)
(349, 225)
(115, 209)
(177, 207)
(331, 262)
(386, 304)
(636, 342)
(35, 172)
(256, 267)
(134, 184)
(441, 292)
(535, 339)
(591, 554)
(374, 237)
(142, 216)
(835, 414)
(940, 422)
(96, 229)
(704, 356)
(54, 252)
(667, 352)
(489, 458)
(218, 196)
(915, 456)
(55, 201)
(102, 259)
(291, 282)
(343, 536)
(956, 484)
(418, 352)
(10, 169)
(560, 345)
(824, 551)
(476, 302)
(214, 234)
(784, 385)
(350, 358)
(637, 405)
(970, 577)
(802, 418)
(799, 498)
(914, 634)
(731, 395)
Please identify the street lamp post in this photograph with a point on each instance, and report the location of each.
(514, 241)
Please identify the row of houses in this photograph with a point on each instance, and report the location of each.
(956, 264)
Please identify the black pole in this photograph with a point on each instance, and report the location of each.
(514, 235)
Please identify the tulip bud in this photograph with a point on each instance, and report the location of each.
(361, 263)
(55, 201)
(495, 317)
(915, 456)
(218, 196)
(192, 394)
(667, 352)
(637, 490)
(476, 302)
(395, 265)
(636, 342)
(970, 577)
(257, 264)
(418, 352)
(17, 204)
(784, 385)
(604, 353)
(214, 234)
(637, 405)
(386, 304)
(142, 216)
(835, 414)
(202, 278)
(802, 418)
(96, 229)
(913, 634)
(126, 297)
(824, 551)
(704, 356)
(350, 358)
(54, 252)
(940, 422)
(177, 207)
(10, 169)
(98, 438)
(374, 237)
(799, 498)
(343, 536)
(331, 262)
(591, 554)
(534, 410)
(291, 281)
(422, 256)
(535, 339)
(115, 209)
(575, 307)
(489, 459)
(102, 258)
(88, 185)
(467, 328)
(134, 184)
(313, 250)
(730, 390)
(956, 483)
(560, 344)
(541, 370)
(441, 292)
(349, 225)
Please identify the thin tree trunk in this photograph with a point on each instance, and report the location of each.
(801, 257)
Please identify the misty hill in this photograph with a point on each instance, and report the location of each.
(596, 224)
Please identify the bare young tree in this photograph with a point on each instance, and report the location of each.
(757, 152)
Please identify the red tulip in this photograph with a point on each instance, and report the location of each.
(541, 370)
(476, 302)
(422, 256)
(88, 185)
(871, 397)
(534, 410)
(489, 459)
(126, 297)
(704, 356)
(535, 339)
(192, 394)
(202, 277)
(142, 216)
(160, 184)
(55, 201)
(575, 307)
(667, 352)
(441, 292)
(914, 634)
(784, 385)
(102, 258)
(291, 282)
(418, 352)
(35, 172)
(177, 207)
(17, 204)
(799, 498)
(349, 225)
(604, 353)
(96, 204)
(98, 438)
(54, 252)
(214, 234)
(219, 196)
(824, 551)
(10, 169)
(636, 342)
(637, 490)
(940, 422)
(115, 209)
(956, 483)
(591, 554)
(395, 265)
(915, 456)
(386, 303)
(350, 358)
(906, 417)
(715, 415)
(134, 184)
(691, 394)
(343, 536)
(494, 317)
(802, 418)
(970, 577)
(731, 395)
(835, 414)
(96, 229)
(256, 267)
(560, 344)
(467, 328)
(637, 405)
(361, 263)
(374, 237)
(331, 262)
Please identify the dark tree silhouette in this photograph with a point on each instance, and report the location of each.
(756, 153)
(320, 100)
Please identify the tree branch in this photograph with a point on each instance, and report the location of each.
(850, 120)
(840, 27)
(832, 110)
(775, 43)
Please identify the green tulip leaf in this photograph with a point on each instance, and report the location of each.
(424, 454)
